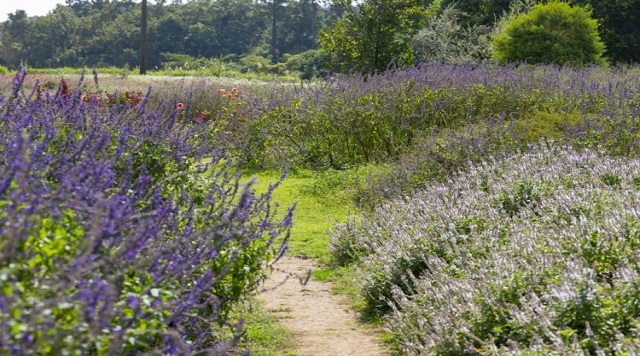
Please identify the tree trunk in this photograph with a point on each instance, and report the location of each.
(274, 35)
(143, 39)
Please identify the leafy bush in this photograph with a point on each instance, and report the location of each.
(374, 118)
(536, 253)
(256, 63)
(435, 157)
(371, 119)
(123, 229)
(445, 39)
(309, 64)
(551, 33)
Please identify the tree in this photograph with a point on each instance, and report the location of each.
(143, 38)
(551, 33)
(619, 27)
(479, 12)
(86, 7)
(446, 38)
(374, 33)
(16, 38)
(54, 39)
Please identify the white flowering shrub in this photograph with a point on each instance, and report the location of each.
(537, 253)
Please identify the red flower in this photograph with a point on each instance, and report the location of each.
(180, 106)
(230, 96)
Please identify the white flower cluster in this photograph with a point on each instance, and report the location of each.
(538, 253)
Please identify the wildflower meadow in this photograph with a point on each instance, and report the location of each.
(474, 208)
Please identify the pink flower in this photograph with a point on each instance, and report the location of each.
(220, 91)
(180, 106)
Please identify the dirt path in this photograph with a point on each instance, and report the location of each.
(321, 321)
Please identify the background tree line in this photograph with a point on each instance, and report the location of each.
(106, 33)
(341, 35)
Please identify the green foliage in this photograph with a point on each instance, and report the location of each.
(265, 334)
(547, 125)
(310, 64)
(446, 38)
(618, 136)
(256, 63)
(523, 195)
(347, 128)
(618, 27)
(551, 33)
(199, 29)
(318, 206)
(478, 12)
(345, 248)
(435, 157)
(374, 34)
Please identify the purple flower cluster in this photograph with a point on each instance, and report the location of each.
(360, 119)
(123, 229)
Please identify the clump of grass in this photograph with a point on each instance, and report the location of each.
(318, 206)
(264, 335)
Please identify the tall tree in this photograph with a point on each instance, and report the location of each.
(55, 39)
(619, 27)
(374, 33)
(275, 13)
(478, 12)
(86, 7)
(16, 38)
(143, 38)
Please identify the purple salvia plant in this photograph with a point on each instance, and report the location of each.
(360, 119)
(123, 229)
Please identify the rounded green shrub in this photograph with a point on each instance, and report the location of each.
(551, 33)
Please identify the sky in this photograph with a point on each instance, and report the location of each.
(32, 7)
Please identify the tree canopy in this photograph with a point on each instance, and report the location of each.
(374, 33)
(551, 33)
(343, 35)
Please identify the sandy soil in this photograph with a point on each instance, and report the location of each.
(321, 321)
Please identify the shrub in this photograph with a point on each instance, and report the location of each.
(435, 157)
(551, 33)
(446, 40)
(309, 64)
(113, 238)
(256, 64)
(532, 254)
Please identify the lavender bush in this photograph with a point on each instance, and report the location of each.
(537, 253)
(123, 228)
(365, 118)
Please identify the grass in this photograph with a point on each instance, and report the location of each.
(318, 205)
(265, 336)
(320, 200)
(125, 72)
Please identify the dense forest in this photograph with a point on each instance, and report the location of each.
(107, 33)
(258, 33)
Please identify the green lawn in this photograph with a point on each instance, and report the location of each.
(321, 199)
